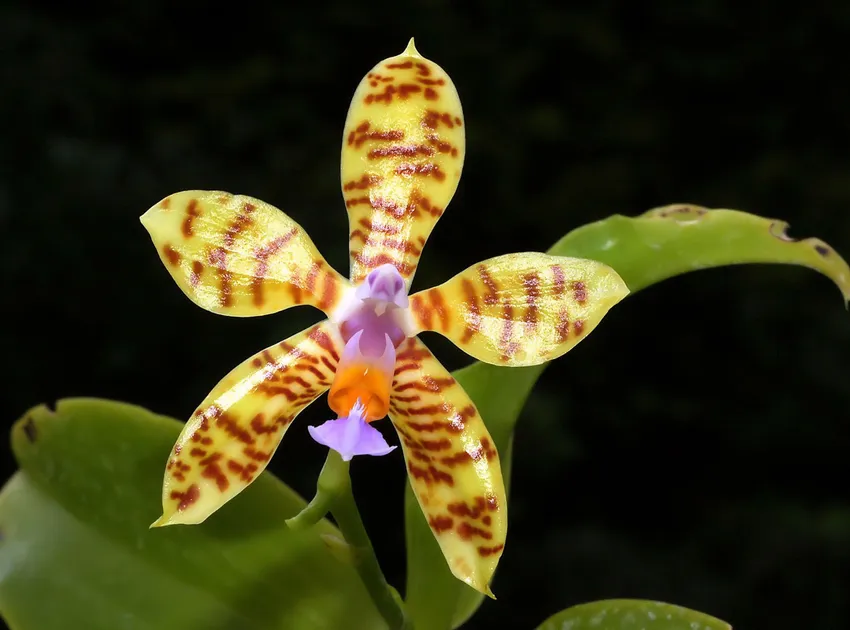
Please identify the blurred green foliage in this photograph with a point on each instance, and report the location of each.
(76, 520)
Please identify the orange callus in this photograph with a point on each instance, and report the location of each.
(369, 384)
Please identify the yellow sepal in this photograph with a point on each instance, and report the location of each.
(402, 155)
(236, 255)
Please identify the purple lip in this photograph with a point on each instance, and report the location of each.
(351, 435)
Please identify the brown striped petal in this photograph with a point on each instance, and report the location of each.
(402, 154)
(233, 434)
(519, 309)
(240, 256)
(452, 464)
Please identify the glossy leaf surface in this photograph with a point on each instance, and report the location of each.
(644, 250)
(75, 534)
(631, 614)
(672, 240)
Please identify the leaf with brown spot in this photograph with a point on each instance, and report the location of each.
(672, 240)
(236, 255)
(232, 435)
(401, 161)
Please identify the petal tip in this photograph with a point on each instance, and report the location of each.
(147, 218)
(617, 289)
(411, 51)
(180, 518)
(481, 587)
(153, 218)
(162, 521)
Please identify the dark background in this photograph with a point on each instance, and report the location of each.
(692, 450)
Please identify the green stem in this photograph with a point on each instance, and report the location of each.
(331, 483)
(348, 519)
(333, 493)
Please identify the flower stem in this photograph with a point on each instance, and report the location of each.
(333, 493)
(331, 483)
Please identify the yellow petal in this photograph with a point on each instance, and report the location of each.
(452, 464)
(236, 255)
(402, 154)
(234, 433)
(519, 309)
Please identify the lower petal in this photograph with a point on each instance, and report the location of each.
(452, 464)
(237, 428)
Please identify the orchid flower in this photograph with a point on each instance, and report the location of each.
(402, 153)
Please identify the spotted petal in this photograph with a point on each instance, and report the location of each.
(236, 255)
(452, 464)
(235, 431)
(402, 154)
(519, 309)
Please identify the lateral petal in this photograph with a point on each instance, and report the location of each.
(519, 309)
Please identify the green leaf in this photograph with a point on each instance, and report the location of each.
(644, 250)
(676, 239)
(631, 614)
(76, 551)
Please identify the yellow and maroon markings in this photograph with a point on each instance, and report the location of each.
(519, 309)
(236, 429)
(452, 464)
(402, 155)
(240, 256)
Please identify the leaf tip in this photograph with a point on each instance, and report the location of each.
(833, 266)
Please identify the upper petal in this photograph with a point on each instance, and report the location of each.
(452, 464)
(240, 256)
(402, 154)
(233, 434)
(519, 309)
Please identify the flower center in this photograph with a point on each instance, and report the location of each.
(372, 324)
(364, 379)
